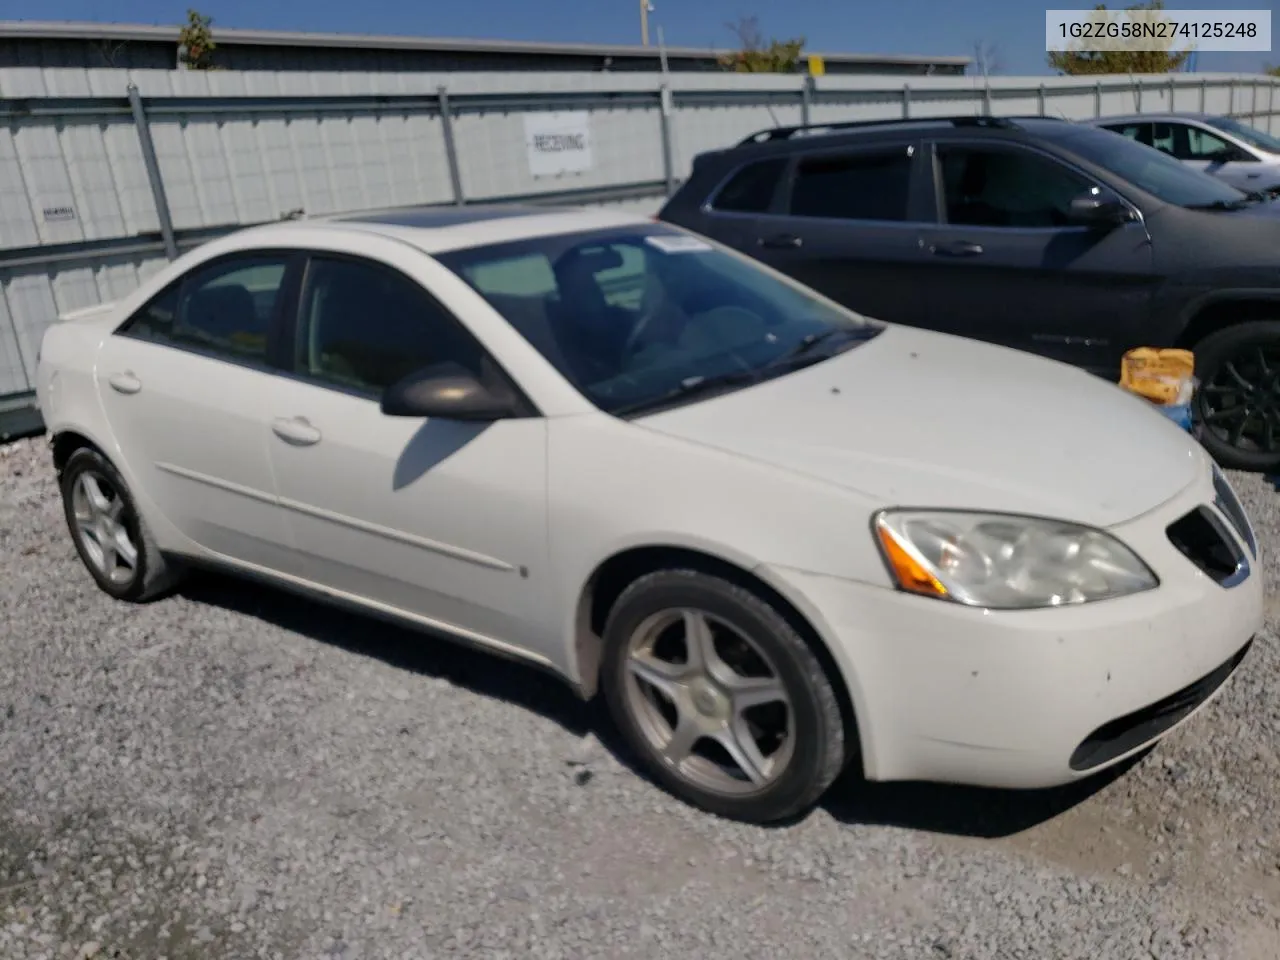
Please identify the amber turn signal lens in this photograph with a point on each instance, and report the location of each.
(910, 574)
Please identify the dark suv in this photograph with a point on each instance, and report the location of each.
(1044, 235)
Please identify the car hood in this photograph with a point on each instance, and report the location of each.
(915, 418)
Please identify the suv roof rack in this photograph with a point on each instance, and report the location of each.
(964, 120)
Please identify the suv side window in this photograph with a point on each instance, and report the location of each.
(363, 326)
(751, 189)
(992, 187)
(223, 308)
(864, 186)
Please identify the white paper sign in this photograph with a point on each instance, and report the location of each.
(558, 143)
(676, 243)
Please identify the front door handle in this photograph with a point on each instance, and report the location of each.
(782, 241)
(124, 382)
(296, 431)
(960, 248)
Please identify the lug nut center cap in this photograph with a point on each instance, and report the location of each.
(707, 700)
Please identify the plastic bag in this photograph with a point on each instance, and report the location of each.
(1165, 377)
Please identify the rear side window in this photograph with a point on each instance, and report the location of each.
(223, 308)
(751, 189)
(1134, 131)
(864, 186)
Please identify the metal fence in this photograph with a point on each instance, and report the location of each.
(107, 174)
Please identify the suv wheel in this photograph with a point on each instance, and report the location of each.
(1237, 403)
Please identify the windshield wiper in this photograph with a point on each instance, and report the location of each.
(809, 343)
(1220, 205)
(688, 388)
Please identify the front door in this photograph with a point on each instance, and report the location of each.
(1009, 266)
(1215, 155)
(184, 384)
(443, 520)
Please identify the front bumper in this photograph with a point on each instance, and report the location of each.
(1042, 697)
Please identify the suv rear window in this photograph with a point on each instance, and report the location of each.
(863, 186)
(751, 189)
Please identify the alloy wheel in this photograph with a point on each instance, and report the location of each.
(102, 527)
(708, 702)
(1240, 401)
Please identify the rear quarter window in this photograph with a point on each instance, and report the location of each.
(752, 188)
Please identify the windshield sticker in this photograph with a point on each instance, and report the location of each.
(675, 243)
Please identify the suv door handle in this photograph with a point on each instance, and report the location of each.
(296, 431)
(959, 248)
(782, 241)
(124, 382)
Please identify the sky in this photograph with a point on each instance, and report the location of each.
(1013, 28)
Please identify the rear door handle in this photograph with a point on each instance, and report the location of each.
(296, 431)
(960, 248)
(124, 382)
(782, 241)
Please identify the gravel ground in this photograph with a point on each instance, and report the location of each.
(233, 772)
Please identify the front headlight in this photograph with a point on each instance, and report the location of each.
(1005, 561)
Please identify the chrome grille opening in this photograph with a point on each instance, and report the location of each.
(1227, 501)
(1201, 538)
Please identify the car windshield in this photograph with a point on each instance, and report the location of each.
(1242, 131)
(646, 316)
(1153, 170)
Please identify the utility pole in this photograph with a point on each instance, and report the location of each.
(645, 9)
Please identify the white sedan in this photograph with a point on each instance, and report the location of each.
(779, 537)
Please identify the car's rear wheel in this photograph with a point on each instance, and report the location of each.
(721, 698)
(108, 531)
(1237, 403)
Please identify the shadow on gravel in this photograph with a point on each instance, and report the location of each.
(937, 808)
(957, 810)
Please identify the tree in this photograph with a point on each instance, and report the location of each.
(1076, 62)
(986, 58)
(1272, 71)
(755, 55)
(195, 42)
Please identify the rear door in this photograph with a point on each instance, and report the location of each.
(185, 384)
(846, 222)
(1010, 267)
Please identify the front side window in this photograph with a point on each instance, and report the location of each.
(1247, 134)
(1150, 169)
(1185, 142)
(363, 327)
(635, 314)
(863, 186)
(991, 187)
(224, 308)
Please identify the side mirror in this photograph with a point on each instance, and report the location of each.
(448, 392)
(1098, 207)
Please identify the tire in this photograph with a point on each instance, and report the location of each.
(649, 625)
(1240, 347)
(150, 574)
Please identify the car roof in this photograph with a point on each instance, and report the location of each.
(439, 229)
(785, 141)
(1149, 117)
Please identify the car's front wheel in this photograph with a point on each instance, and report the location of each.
(724, 702)
(1237, 402)
(108, 531)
